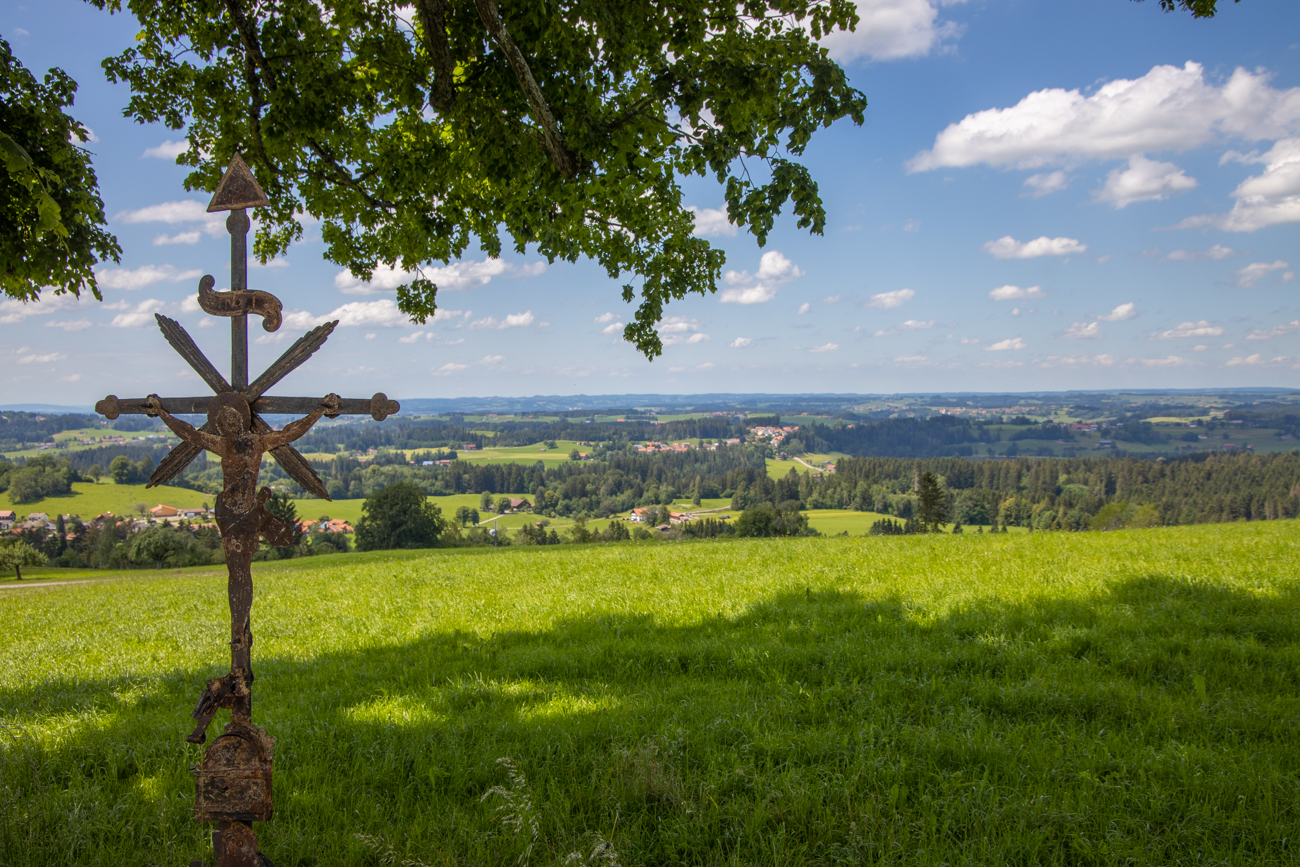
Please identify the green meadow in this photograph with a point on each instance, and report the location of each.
(89, 499)
(1072, 699)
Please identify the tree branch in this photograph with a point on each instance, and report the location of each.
(563, 158)
(433, 17)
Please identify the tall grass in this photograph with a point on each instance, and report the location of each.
(1035, 699)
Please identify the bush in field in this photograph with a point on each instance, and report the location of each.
(764, 520)
(399, 516)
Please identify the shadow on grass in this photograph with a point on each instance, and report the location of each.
(1154, 722)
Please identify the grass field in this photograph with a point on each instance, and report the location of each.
(89, 499)
(1073, 699)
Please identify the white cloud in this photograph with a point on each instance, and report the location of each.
(1011, 293)
(612, 328)
(740, 343)
(1252, 359)
(449, 368)
(364, 314)
(604, 317)
(831, 299)
(712, 222)
(1077, 361)
(773, 270)
(1263, 200)
(915, 324)
(1216, 253)
(1083, 331)
(69, 324)
(1189, 329)
(911, 225)
(145, 275)
(892, 29)
(1120, 313)
(141, 314)
(414, 336)
(1008, 247)
(825, 347)
(492, 359)
(42, 359)
(1144, 180)
(1005, 345)
(910, 359)
(371, 335)
(1167, 361)
(803, 308)
(453, 277)
(168, 150)
(1044, 184)
(513, 320)
(1254, 272)
(890, 300)
(1169, 108)
(177, 213)
(1276, 331)
(179, 238)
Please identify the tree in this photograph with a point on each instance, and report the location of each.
(575, 455)
(154, 545)
(567, 126)
(932, 503)
(399, 516)
(122, 470)
(765, 520)
(503, 505)
(51, 217)
(462, 515)
(1198, 8)
(96, 472)
(18, 555)
(485, 501)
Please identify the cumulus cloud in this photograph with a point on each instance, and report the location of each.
(1189, 329)
(1008, 247)
(141, 314)
(1216, 253)
(1044, 184)
(179, 213)
(1005, 345)
(604, 317)
(492, 359)
(890, 300)
(908, 325)
(612, 328)
(890, 30)
(449, 368)
(168, 150)
(825, 347)
(1169, 108)
(911, 225)
(1264, 334)
(831, 299)
(910, 359)
(1254, 272)
(1144, 180)
(514, 320)
(1254, 358)
(1011, 293)
(362, 314)
(803, 308)
(12, 310)
(675, 330)
(712, 222)
(145, 275)
(69, 324)
(1077, 361)
(773, 270)
(1083, 331)
(453, 277)
(1263, 200)
(42, 359)
(1167, 361)
(1120, 313)
(740, 343)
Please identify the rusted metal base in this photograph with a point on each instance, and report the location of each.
(235, 845)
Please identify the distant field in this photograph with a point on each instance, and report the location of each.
(97, 433)
(1053, 699)
(88, 500)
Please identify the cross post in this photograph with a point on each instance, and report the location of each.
(233, 781)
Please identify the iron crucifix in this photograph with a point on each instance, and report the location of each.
(233, 782)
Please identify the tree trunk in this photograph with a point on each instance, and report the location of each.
(19, 570)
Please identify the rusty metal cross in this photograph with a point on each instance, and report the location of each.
(233, 781)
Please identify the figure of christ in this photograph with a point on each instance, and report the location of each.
(240, 511)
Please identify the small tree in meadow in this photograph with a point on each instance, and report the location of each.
(932, 503)
(18, 555)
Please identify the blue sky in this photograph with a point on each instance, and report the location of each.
(1045, 195)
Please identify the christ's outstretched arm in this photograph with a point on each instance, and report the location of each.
(185, 431)
(294, 429)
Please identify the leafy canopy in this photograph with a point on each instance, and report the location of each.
(399, 516)
(51, 217)
(416, 130)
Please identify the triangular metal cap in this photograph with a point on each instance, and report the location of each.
(238, 189)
